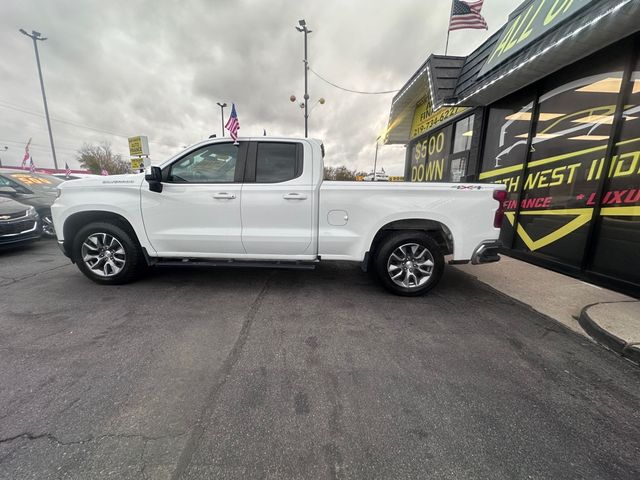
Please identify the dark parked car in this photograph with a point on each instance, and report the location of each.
(35, 189)
(18, 223)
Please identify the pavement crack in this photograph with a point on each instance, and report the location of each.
(38, 436)
(19, 279)
(219, 381)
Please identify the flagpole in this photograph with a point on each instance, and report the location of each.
(446, 48)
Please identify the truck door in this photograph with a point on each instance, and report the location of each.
(278, 200)
(197, 213)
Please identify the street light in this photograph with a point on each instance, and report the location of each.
(5, 148)
(222, 105)
(37, 36)
(303, 28)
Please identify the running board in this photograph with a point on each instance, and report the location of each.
(189, 262)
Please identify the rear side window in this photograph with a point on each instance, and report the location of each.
(277, 162)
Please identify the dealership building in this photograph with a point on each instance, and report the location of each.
(550, 106)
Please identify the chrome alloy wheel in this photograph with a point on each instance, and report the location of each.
(103, 254)
(410, 265)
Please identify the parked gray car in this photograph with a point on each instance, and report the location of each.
(35, 189)
(18, 223)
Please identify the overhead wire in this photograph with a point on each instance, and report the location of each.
(384, 92)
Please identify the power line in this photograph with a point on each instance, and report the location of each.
(59, 120)
(19, 108)
(348, 89)
(33, 145)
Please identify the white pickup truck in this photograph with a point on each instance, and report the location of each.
(264, 203)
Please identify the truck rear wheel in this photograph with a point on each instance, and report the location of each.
(409, 263)
(107, 254)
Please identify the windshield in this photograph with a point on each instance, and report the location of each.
(36, 182)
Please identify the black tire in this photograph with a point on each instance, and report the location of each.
(134, 262)
(395, 241)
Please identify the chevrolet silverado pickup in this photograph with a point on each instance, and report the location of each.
(263, 202)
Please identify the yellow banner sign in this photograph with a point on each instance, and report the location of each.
(138, 146)
(425, 118)
(137, 163)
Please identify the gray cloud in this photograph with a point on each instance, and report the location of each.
(158, 68)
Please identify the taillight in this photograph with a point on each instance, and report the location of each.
(501, 197)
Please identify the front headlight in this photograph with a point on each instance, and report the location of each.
(31, 212)
(58, 192)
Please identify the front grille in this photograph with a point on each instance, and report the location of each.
(13, 215)
(9, 228)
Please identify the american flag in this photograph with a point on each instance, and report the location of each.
(26, 154)
(67, 171)
(32, 166)
(467, 15)
(232, 124)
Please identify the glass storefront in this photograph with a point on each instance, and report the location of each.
(554, 211)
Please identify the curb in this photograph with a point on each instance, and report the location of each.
(606, 338)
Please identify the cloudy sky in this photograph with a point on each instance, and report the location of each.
(117, 68)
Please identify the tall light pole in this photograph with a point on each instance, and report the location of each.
(303, 28)
(375, 159)
(5, 148)
(222, 105)
(36, 36)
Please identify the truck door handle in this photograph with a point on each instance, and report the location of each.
(224, 196)
(294, 196)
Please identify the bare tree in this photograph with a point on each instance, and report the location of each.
(97, 158)
(341, 173)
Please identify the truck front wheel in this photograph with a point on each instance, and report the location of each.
(107, 253)
(409, 263)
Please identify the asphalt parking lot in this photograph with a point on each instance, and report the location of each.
(234, 373)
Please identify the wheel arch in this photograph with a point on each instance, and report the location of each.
(437, 230)
(78, 220)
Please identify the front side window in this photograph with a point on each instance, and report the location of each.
(209, 164)
(276, 162)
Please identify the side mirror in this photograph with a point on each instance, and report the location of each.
(6, 190)
(154, 178)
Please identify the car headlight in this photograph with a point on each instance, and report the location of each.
(58, 192)
(31, 212)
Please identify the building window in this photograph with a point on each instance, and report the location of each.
(430, 155)
(505, 151)
(574, 123)
(463, 134)
(617, 250)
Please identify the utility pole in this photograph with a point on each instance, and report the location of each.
(36, 36)
(222, 105)
(303, 28)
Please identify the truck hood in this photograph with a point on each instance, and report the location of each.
(106, 181)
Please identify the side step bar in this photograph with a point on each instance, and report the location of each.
(194, 262)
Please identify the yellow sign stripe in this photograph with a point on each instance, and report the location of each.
(583, 217)
(544, 161)
(557, 158)
(630, 211)
(567, 211)
(500, 171)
